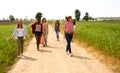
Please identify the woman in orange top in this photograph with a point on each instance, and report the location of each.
(45, 32)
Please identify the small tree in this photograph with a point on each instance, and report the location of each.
(86, 17)
(16, 19)
(39, 15)
(77, 14)
(11, 17)
(3, 19)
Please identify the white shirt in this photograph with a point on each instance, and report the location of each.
(20, 32)
(38, 28)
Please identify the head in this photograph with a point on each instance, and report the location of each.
(20, 24)
(70, 19)
(73, 20)
(44, 20)
(66, 18)
(37, 21)
(57, 22)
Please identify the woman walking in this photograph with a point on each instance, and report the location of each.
(74, 23)
(37, 31)
(20, 34)
(69, 30)
(57, 29)
(45, 32)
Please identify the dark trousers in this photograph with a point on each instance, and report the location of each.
(20, 42)
(68, 39)
(57, 34)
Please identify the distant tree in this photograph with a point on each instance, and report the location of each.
(16, 19)
(11, 17)
(39, 15)
(86, 17)
(3, 19)
(90, 18)
(77, 14)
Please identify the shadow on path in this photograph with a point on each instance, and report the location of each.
(51, 47)
(81, 57)
(28, 58)
(44, 50)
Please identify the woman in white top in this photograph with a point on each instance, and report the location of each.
(20, 34)
(37, 31)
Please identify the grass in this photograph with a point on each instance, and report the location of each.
(8, 48)
(103, 36)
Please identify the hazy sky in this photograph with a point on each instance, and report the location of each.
(58, 9)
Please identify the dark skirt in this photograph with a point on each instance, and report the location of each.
(37, 33)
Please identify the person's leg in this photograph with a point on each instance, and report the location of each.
(37, 42)
(45, 39)
(67, 39)
(70, 39)
(58, 35)
(18, 41)
(42, 39)
(22, 42)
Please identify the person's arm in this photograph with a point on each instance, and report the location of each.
(14, 34)
(54, 28)
(64, 28)
(42, 28)
(47, 28)
(25, 33)
(33, 23)
(59, 28)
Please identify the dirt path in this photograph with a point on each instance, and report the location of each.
(53, 59)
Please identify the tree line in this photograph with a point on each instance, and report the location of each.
(77, 16)
(85, 18)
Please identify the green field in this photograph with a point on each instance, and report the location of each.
(8, 48)
(104, 36)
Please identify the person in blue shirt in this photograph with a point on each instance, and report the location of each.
(20, 35)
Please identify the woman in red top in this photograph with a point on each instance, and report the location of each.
(37, 31)
(69, 30)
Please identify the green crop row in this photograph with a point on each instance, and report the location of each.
(105, 36)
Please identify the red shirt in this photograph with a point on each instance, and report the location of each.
(69, 28)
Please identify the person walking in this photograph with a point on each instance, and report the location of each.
(45, 32)
(37, 31)
(20, 34)
(57, 29)
(69, 30)
(74, 23)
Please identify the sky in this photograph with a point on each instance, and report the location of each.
(58, 9)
